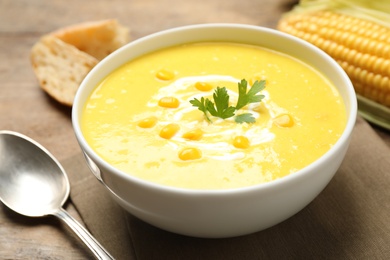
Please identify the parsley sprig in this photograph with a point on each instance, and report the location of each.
(221, 108)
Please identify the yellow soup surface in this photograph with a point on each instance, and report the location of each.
(140, 119)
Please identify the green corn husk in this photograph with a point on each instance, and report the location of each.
(373, 10)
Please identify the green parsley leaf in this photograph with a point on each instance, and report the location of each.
(201, 105)
(221, 107)
(245, 98)
(245, 118)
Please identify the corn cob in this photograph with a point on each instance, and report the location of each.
(361, 46)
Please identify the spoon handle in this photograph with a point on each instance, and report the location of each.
(83, 234)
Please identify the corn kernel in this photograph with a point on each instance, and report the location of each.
(256, 77)
(190, 154)
(284, 120)
(148, 122)
(203, 86)
(165, 74)
(195, 134)
(169, 131)
(241, 142)
(169, 102)
(261, 108)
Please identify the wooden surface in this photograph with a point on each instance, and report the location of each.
(25, 108)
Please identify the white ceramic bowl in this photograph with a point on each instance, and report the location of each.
(219, 213)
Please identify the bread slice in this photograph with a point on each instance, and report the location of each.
(60, 67)
(98, 38)
(63, 58)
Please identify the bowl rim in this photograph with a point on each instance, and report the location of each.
(351, 108)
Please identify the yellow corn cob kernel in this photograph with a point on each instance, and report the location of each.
(190, 154)
(165, 74)
(195, 134)
(169, 131)
(203, 86)
(361, 47)
(241, 142)
(284, 120)
(148, 122)
(256, 77)
(169, 102)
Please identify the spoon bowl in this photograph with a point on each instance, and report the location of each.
(33, 183)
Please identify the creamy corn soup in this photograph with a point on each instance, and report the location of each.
(140, 118)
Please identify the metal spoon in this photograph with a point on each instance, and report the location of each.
(34, 184)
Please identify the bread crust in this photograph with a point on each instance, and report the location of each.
(60, 68)
(98, 39)
(62, 59)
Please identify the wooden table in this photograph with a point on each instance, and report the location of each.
(25, 108)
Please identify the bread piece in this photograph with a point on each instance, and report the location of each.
(98, 38)
(60, 67)
(63, 58)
